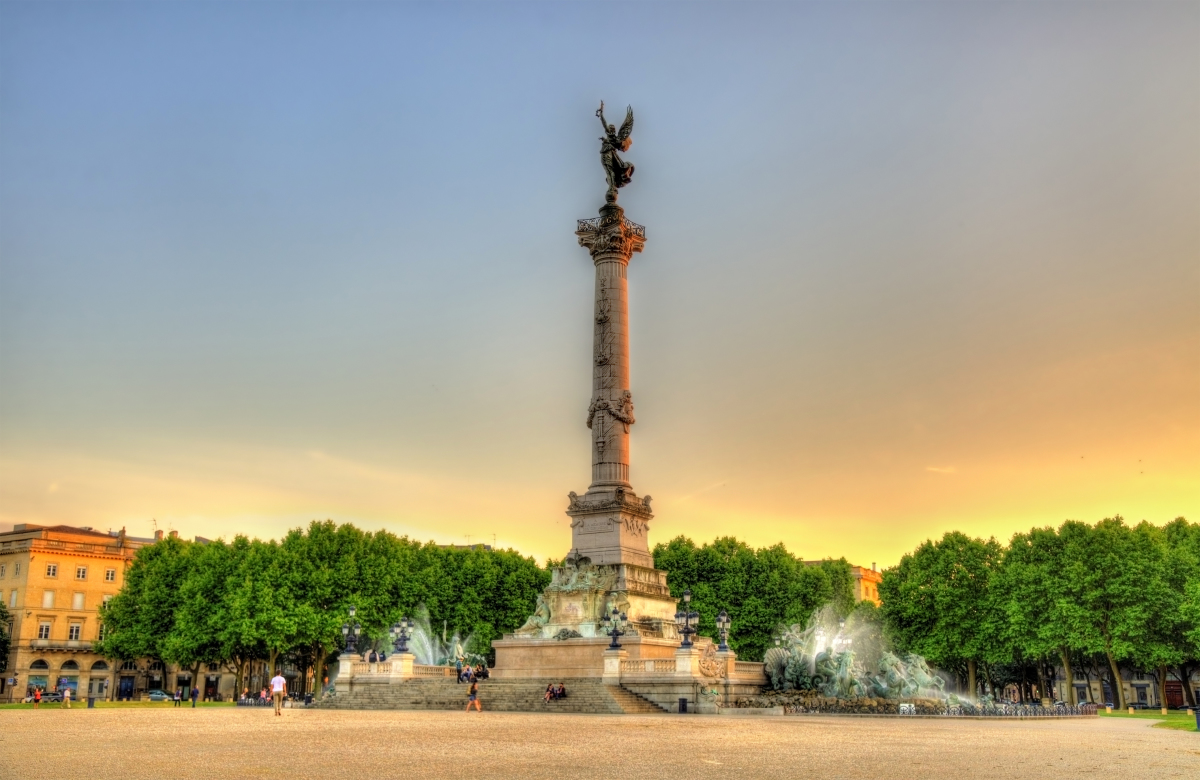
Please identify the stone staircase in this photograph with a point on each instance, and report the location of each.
(583, 695)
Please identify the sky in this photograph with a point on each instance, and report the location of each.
(910, 267)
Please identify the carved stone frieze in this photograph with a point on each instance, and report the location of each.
(621, 500)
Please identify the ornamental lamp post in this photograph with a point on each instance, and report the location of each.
(723, 631)
(614, 625)
(351, 633)
(400, 635)
(687, 620)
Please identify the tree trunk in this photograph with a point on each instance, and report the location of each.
(971, 678)
(1070, 675)
(1041, 675)
(1162, 687)
(271, 670)
(1118, 689)
(1184, 673)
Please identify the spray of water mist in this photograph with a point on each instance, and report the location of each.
(846, 659)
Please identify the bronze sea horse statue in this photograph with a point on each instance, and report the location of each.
(618, 172)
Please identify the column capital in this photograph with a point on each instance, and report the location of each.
(610, 236)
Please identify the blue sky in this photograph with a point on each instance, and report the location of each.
(911, 266)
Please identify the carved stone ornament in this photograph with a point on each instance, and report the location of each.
(620, 409)
(621, 500)
(611, 235)
(710, 665)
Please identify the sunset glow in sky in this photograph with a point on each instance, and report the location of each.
(911, 267)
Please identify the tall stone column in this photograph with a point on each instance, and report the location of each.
(612, 240)
(609, 522)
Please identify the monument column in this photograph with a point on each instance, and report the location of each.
(611, 239)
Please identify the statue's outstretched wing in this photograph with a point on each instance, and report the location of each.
(627, 125)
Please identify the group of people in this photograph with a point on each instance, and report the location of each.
(468, 673)
(181, 695)
(555, 692)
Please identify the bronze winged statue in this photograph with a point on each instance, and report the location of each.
(618, 172)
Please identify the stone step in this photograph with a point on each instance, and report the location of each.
(588, 695)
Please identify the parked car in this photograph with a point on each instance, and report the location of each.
(1139, 705)
(52, 696)
(157, 695)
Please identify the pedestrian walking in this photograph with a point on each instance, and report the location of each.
(37, 698)
(278, 689)
(178, 696)
(66, 704)
(473, 697)
(458, 670)
(195, 695)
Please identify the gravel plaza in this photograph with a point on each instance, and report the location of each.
(210, 742)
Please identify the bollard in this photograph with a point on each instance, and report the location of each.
(1108, 710)
(1131, 710)
(683, 705)
(1198, 720)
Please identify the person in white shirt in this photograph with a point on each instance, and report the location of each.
(278, 689)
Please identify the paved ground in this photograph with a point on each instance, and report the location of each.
(252, 743)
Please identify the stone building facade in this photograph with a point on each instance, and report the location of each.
(53, 580)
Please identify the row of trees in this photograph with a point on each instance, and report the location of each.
(231, 603)
(761, 589)
(1093, 598)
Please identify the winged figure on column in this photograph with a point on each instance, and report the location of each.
(618, 172)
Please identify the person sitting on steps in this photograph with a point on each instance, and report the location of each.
(549, 693)
(561, 692)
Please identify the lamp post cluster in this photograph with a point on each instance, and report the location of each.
(400, 635)
(401, 632)
(614, 626)
(687, 620)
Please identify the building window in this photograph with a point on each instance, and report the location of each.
(77, 601)
(110, 575)
(12, 599)
(3, 568)
(129, 666)
(51, 569)
(43, 630)
(81, 572)
(16, 569)
(73, 631)
(107, 597)
(48, 599)
(100, 637)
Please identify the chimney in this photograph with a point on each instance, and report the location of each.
(158, 536)
(174, 534)
(873, 566)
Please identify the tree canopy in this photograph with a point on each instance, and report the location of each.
(1083, 596)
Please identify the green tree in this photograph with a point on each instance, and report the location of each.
(139, 619)
(938, 602)
(1031, 592)
(760, 589)
(1103, 604)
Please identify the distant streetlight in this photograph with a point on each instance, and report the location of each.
(351, 633)
(723, 631)
(686, 620)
